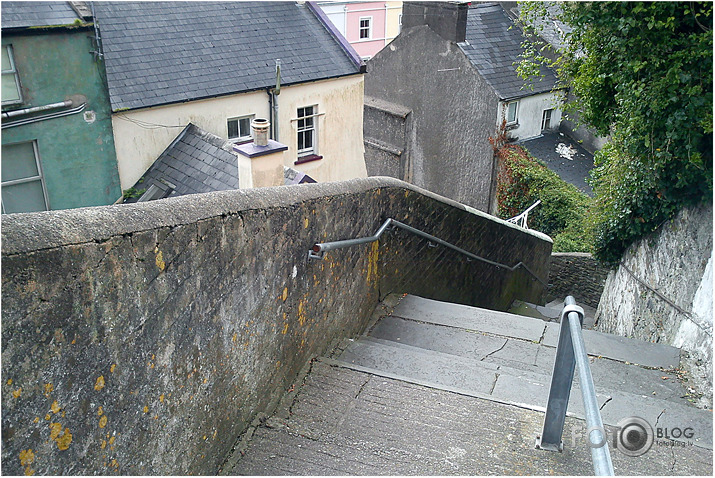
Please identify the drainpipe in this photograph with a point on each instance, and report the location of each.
(36, 109)
(274, 96)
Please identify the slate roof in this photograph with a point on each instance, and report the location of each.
(36, 14)
(195, 162)
(493, 45)
(166, 52)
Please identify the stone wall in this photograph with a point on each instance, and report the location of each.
(662, 292)
(577, 274)
(144, 338)
(389, 136)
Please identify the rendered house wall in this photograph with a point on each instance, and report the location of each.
(339, 129)
(77, 156)
(450, 154)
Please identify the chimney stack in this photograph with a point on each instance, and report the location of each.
(447, 19)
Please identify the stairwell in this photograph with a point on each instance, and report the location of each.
(433, 388)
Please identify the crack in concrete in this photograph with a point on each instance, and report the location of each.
(605, 403)
(496, 377)
(495, 351)
(658, 418)
(362, 387)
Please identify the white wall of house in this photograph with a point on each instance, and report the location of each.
(530, 113)
(142, 135)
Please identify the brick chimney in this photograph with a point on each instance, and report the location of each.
(447, 19)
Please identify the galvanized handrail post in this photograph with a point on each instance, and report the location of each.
(571, 350)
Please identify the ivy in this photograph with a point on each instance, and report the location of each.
(642, 74)
(562, 214)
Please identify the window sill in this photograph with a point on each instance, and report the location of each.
(308, 158)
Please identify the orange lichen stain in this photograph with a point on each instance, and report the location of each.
(74, 341)
(151, 365)
(36, 420)
(111, 369)
(160, 260)
(301, 312)
(103, 445)
(48, 389)
(156, 417)
(146, 409)
(47, 417)
(278, 364)
(9, 381)
(285, 294)
(100, 411)
(372, 263)
(26, 459)
(407, 193)
(55, 407)
(111, 441)
(17, 393)
(103, 421)
(99, 384)
(161, 398)
(234, 338)
(305, 223)
(64, 440)
(285, 329)
(114, 463)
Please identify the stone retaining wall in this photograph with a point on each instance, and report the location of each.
(144, 338)
(577, 274)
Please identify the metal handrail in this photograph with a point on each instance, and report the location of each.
(570, 351)
(319, 249)
(520, 220)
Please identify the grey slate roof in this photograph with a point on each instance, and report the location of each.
(493, 45)
(195, 162)
(36, 14)
(166, 52)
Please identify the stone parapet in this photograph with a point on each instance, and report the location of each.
(145, 338)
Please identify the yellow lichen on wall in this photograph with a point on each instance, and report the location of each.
(103, 421)
(160, 260)
(372, 263)
(26, 459)
(17, 393)
(55, 407)
(99, 384)
(48, 389)
(63, 439)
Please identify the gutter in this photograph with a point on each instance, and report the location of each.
(352, 54)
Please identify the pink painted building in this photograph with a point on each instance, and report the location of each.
(368, 26)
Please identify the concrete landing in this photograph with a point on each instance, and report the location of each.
(346, 422)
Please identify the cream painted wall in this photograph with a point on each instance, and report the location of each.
(530, 112)
(142, 135)
(392, 20)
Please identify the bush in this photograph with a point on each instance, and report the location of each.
(563, 212)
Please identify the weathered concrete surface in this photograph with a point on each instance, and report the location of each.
(145, 338)
(662, 292)
(476, 358)
(341, 422)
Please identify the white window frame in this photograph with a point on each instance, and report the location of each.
(244, 138)
(40, 176)
(313, 128)
(516, 112)
(361, 28)
(12, 71)
(550, 112)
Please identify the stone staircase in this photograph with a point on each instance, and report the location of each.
(449, 350)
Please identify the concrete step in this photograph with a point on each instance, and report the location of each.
(508, 359)
(536, 330)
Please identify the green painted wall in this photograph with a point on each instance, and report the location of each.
(78, 158)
